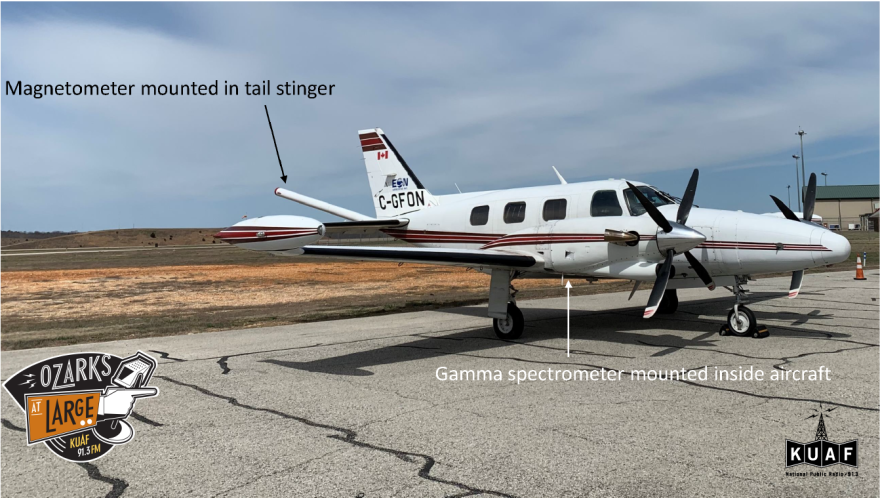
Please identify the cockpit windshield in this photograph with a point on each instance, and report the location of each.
(656, 197)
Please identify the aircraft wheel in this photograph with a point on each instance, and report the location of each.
(744, 323)
(669, 303)
(511, 327)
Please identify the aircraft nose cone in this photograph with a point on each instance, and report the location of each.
(839, 247)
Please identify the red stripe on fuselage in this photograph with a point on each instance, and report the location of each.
(497, 240)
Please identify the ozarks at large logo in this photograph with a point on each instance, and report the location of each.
(76, 404)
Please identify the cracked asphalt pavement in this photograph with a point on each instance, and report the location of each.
(352, 408)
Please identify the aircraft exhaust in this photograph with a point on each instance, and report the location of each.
(621, 238)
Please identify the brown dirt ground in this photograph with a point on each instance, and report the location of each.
(127, 237)
(57, 299)
(42, 308)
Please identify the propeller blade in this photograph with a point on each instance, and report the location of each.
(788, 213)
(701, 270)
(636, 285)
(684, 209)
(659, 286)
(810, 198)
(795, 288)
(655, 214)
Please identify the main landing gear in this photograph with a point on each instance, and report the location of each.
(511, 327)
(508, 320)
(741, 320)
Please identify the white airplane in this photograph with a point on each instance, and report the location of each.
(611, 229)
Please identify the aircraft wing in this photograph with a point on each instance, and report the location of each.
(447, 257)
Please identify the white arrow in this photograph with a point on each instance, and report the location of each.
(568, 319)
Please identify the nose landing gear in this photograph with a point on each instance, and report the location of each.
(741, 320)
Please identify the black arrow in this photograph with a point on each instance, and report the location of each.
(283, 176)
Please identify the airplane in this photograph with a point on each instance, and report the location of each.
(610, 229)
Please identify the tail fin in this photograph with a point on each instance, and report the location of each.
(396, 189)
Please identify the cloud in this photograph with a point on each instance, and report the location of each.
(488, 95)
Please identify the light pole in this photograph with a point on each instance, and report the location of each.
(789, 196)
(801, 133)
(798, 176)
(826, 178)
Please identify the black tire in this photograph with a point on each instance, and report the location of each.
(669, 302)
(746, 329)
(512, 327)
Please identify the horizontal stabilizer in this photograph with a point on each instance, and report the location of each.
(342, 226)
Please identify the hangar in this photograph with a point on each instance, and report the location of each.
(847, 206)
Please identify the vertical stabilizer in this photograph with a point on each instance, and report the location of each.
(396, 189)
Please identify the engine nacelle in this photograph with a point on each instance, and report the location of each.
(273, 233)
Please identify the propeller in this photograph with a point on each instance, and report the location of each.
(795, 288)
(659, 285)
(674, 238)
(809, 204)
(810, 199)
(684, 209)
(788, 213)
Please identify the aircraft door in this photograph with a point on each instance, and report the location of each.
(542, 245)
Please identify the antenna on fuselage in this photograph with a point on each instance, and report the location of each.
(561, 180)
(456, 187)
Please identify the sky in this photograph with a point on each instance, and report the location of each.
(487, 95)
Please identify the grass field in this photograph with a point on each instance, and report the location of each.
(68, 297)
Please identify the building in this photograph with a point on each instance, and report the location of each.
(874, 221)
(847, 206)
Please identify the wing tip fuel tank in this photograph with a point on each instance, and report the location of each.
(273, 233)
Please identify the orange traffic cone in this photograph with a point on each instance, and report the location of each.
(860, 275)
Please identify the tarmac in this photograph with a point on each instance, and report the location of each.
(354, 408)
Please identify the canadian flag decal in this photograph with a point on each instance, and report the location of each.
(383, 155)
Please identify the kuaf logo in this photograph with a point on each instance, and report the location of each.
(822, 452)
(76, 404)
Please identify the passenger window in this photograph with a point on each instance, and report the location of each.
(554, 209)
(605, 203)
(515, 212)
(480, 215)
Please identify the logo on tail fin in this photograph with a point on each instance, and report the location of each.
(382, 155)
